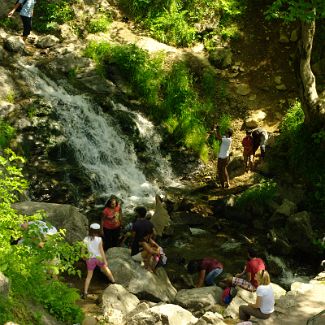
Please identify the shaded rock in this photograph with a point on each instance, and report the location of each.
(59, 215)
(47, 41)
(4, 285)
(89, 320)
(198, 299)
(280, 215)
(299, 230)
(137, 280)
(221, 57)
(160, 218)
(243, 89)
(294, 36)
(283, 37)
(278, 80)
(211, 318)
(14, 44)
(281, 87)
(254, 119)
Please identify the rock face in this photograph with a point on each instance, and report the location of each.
(59, 215)
(137, 280)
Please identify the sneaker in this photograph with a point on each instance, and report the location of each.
(84, 296)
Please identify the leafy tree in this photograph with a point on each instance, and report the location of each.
(307, 12)
(28, 266)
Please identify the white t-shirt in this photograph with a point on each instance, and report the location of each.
(224, 147)
(267, 298)
(93, 246)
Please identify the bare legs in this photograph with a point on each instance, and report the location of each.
(90, 273)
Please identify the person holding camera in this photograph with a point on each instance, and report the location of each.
(223, 156)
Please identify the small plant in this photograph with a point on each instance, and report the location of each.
(257, 194)
(11, 97)
(6, 134)
(230, 32)
(99, 24)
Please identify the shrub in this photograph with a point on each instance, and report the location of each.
(100, 24)
(6, 134)
(49, 14)
(26, 265)
(257, 194)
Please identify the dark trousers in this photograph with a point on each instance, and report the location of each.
(245, 313)
(222, 170)
(111, 237)
(27, 25)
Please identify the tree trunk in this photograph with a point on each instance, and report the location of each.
(312, 104)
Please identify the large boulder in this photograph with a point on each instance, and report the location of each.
(62, 216)
(163, 314)
(137, 280)
(198, 299)
(117, 303)
(211, 318)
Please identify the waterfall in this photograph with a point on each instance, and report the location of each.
(108, 158)
(287, 277)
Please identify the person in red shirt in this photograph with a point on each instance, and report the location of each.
(208, 268)
(111, 223)
(248, 151)
(253, 265)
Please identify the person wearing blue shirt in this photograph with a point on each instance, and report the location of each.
(26, 15)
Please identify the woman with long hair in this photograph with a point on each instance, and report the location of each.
(111, 222)
(264, 304)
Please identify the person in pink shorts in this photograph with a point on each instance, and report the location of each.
(96, 256)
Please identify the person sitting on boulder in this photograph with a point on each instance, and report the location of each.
(208, 268)
(264, 304)
(95, 257)
(149, 253)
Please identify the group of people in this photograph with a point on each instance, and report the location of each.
(251, 142)
(253, 278)
(144, 248)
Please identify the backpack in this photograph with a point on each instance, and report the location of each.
(20, 6)
(227, 295)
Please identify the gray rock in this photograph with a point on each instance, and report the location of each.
(47, 41)
(198, 299)
(211, 318)
(243, 89)
(4, 285)
(14, 44)
(137, 280)
(59, 215)
(117, 303)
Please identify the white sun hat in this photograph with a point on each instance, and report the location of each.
(95, 226)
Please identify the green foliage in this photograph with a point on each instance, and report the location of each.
(257, 194)
(9, 23)
(99, 24)
(301, 151)
(170, 93)
(6, 133)
(292, 10)
(49, 14)
(29, 267)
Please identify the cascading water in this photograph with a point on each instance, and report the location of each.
(108, 159)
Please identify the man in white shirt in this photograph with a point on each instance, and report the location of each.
(223, 156)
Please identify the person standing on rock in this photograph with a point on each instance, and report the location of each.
(260, 137)
(95, 256)
(208, 268)
(223, 156)
(264, 304)
(247, 143)
(111, 222)
(26, 15)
